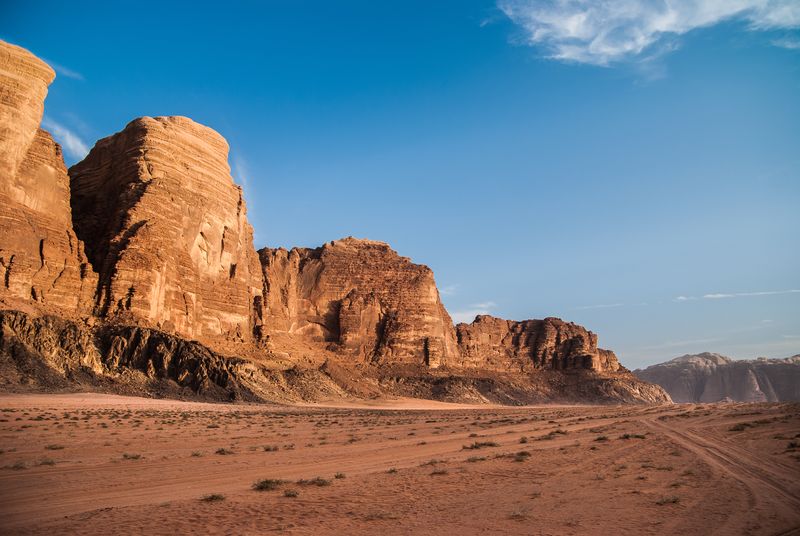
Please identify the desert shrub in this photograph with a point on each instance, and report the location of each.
(601, 438)
(267, 484)
(213, 497)
(479, 445)
(130, 456)
(672, 499)
(223, 451)
(316, 481)
(291, 493)
(338, 475)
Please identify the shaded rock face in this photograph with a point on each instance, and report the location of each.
(497, 344)
(710, 377)
(41, 259)
(361, 297)
(167, 232)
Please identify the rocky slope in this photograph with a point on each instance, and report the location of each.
(166, 230)
(41, 259)
(709, 377)
(171, 298)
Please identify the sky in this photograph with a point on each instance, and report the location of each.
(630, 165)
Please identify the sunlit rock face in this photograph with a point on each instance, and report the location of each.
(41, 259)
(508, 345)
(362, 299)
(166, 230)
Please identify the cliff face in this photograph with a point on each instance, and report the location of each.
(171, 298)
(371, 304)
(41, 259)
(553, 344)
(167, 232)
(709, 377)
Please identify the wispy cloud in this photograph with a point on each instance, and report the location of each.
(680, 344)
(69, 140)
(604, 32)
(787, 42)
(240, 171)
(600, 306)
(723, 296)
(449, 290)
(474, 309)
(64, 71)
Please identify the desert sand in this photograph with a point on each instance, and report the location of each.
(93, 464)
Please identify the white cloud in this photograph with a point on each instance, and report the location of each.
(602, 32)
(787, 42)
(64, 71)
(722, 296)
(449, 290)
(69, 140)
(475, 309)
(601, 306)
(240, 171)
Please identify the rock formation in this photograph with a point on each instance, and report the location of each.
(167, 232)
(361, 296)
(497, 344)
(710, 377)
(41, 259)
(170, 297)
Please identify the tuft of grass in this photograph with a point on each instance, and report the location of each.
(601, 438)
(196, 454)
(268, 484)
(290, 493)
(338, 475)
(270, 448)
(46, 461)
(438, 472)
(632, 436)
(213, 497)
(223, 451)
(523, 440)
(521, 456)
(792, 445)
(479, 445)
(391, 470)
(54, 447)
(316, 481)
(130, 456)
(473, 459)
(672, 499)
(739, 427)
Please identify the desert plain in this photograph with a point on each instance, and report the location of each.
(96, 464)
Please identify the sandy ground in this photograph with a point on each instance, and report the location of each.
(98, 464)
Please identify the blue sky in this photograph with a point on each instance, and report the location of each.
(624, 165)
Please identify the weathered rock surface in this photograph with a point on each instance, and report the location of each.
(41, 259)
(710, 377)
(169, 257)
(372, 305)
(166, 230)
(507, 345)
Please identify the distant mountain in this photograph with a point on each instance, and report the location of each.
(710, 377)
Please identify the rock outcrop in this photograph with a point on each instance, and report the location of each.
(710, 377)
(167, 232)
(41, 259)
(361, 297)
(137, 274)
(507, 345)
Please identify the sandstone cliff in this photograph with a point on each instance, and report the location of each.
(167, 232)
(169, 257)
(710, 377)
(497, 344)
(41, 259)
(361, 296)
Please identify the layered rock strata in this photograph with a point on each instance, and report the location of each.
(360, 296)
(41, 259)
(498, 344)
(167, 232)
